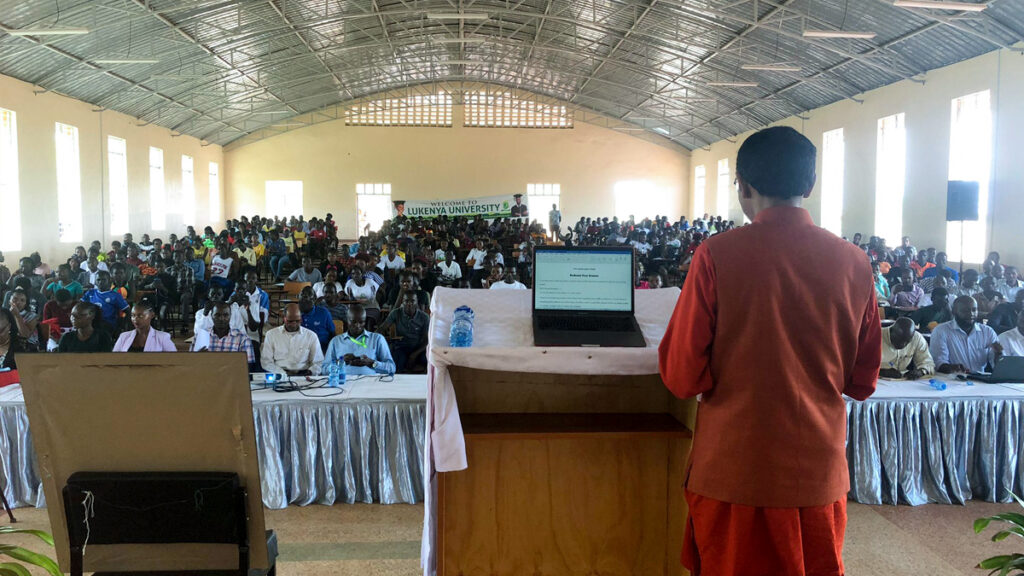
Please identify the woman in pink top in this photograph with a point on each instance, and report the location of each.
(144, 338)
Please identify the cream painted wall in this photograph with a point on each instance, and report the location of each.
(927, 109)
(441, 163)
(36, 115)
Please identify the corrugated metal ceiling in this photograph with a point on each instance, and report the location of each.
(227, 69)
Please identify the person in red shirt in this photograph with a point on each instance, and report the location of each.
(771, 360)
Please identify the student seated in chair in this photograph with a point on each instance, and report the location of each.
(411, 325)
(363, 353)
(221, 337)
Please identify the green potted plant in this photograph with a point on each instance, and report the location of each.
(1007, 564)
(26, 556)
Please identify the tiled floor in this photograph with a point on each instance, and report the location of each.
(372, 540)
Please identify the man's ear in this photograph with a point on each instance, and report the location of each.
(746, 190)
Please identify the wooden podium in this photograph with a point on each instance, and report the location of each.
(568, 475)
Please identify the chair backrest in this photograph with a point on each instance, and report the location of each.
(155, 508)
(339, 327)
(292, 289)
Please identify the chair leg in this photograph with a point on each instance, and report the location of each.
(7, 508)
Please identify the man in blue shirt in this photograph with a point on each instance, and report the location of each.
(941, 263)
(963, 344)
(110, 301)
(316, 318)
(364, 353)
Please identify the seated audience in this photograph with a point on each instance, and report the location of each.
(316, 318)
(364, 291)
(183, 289)
(330, 278)
(223, 268)
(411, 325)
(291, 349)
(907, 294)
(882, 291)
(1004, 317)
(1012, 341)
(941, 263)
(450, 270)
(969, 284)
(904, 352)
(221, 337)
(57, 313)
(144, 338)
(963, 344)
(90, 271)
(112, 305)
(64, 281)
(407, 282)
(362, 352)
(11, 341)
(937, 311)
(307, 273)
(254, 303)
(921, 264)
(27, 269)
(424, 276)
(502, 279)
(24, 316)
(1011, 285)
(333, 303)
(204, 316)
(989, 297)
(88, 332)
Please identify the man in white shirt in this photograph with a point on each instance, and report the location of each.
(475, 259)
(254, 304)
(451, 271)
(1013, 340)
(641, 245)
(391, 259)
(290, 348)
(501, 280)
(204, 316)
(903, 345)
(1011, 284)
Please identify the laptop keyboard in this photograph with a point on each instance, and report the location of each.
(586, 323)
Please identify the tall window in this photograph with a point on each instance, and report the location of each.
(117, 175)
(284, 198)
(700, 178)
(214, 192)
(10, 196)
(69, 184)
(640, 199)
(374, 204)
(722, 199)
(540, 197)
(188, 191)
(832, 173)
(157, 194)
(970, 158)
(890, 177)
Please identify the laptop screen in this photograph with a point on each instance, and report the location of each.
(583, 280)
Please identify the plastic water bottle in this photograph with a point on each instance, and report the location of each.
(461, 334)
(936, 384)
(335, 375)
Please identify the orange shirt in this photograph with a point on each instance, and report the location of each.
(776, 321)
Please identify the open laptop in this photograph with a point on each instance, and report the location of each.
(1009, 370)
(584, 297)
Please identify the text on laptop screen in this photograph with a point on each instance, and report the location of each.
(583, 280)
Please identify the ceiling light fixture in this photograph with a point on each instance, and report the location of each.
(734, 84)
(126, 61)
(938, 5)
(458, 40)
(771, 67)
(838, 34)
(458, 16)
(46, 31)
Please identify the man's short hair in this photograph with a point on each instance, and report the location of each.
(62, 295)
(778, 162)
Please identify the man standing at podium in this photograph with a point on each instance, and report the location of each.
(772, 359)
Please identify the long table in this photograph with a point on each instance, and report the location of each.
(912, 444)
(364, 443)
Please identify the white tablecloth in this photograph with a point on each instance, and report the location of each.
(503, 341)
(363, 443)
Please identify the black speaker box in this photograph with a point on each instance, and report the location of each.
(961, 201)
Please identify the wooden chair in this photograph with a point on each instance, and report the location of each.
(339, 327)
(159, 508)
(292, 289)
